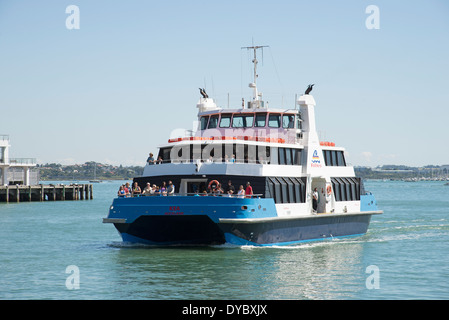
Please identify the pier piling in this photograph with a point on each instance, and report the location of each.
(20, 193)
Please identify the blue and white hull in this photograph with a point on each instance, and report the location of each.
(194, 220)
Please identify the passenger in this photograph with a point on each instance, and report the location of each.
(233, 158)
(164, 189)
(219, 191)
(157, 191)
(136, 190)
(196, 194)
(170, 189)
(204, 193)
(291, 122)
(121, 191)
(315, 200)
(241, 192)
(153, 190)
(150, 159)
(249, 190)
(230, 190)
(147, 190)
(159, 160)
(127, 190)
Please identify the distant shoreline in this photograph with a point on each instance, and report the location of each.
(98, 171)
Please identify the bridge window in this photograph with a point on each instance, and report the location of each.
(225, 121)
(213, 122)
(204, 121)
(288, 121)
(242, 121)
(274, 120)
(261, 120)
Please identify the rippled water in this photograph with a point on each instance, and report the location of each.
(408, 245)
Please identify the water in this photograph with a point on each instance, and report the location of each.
(408, 245)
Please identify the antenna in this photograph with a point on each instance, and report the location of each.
(254, 83)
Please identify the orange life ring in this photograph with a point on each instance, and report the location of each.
(329, 190)
(216, 185)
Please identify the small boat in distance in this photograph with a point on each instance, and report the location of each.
(95, 180)
(252, 175)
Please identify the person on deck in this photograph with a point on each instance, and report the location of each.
(249, 190)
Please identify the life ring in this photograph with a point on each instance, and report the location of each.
(216, 185)
(329, 189)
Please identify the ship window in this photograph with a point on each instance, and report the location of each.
(327, 159)
(281, 156)
(296, 153)
(225, 121)
(284, 192)
(288, 121)
(261, 119)
(300, 190)
(277, 190)
(336, 188)
(274, 156)
(341, 159)
(274, 120)
(204, 121)
(288, 156)
(334, 157)
(164, 153)
(346, 189)
(291, 192)
(213, 122)
(263, 154)
(243, 121)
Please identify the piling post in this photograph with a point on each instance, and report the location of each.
(17, 194)
(42, 195)
(29, 193)
(7, 194)
(63, 192)
(91, 192)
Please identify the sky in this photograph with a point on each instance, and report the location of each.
(121, 84)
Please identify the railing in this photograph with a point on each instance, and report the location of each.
(214, 160)
(193, 195)
(31, 161)
(4, 137)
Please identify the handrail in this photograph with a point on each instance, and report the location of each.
(22, 160)
(194, 195)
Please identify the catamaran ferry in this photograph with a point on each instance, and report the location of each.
(298, 187)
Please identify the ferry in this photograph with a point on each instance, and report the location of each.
(303, 189)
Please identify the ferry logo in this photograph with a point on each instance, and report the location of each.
(315, 160)
(174, 210)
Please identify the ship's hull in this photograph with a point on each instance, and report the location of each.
(218, 220)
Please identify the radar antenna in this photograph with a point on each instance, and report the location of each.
(256, 100)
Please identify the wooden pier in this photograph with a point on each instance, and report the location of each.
(22, 193)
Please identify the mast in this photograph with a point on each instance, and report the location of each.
(253, 85)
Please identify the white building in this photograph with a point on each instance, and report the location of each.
(15, 170)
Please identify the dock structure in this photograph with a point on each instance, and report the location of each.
(57, 192)
(15, 170)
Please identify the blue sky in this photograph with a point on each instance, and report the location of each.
(115, 89)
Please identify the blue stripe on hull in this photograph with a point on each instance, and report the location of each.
(281, 231)
(233, 239)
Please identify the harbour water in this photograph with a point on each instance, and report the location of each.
(46, 246)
